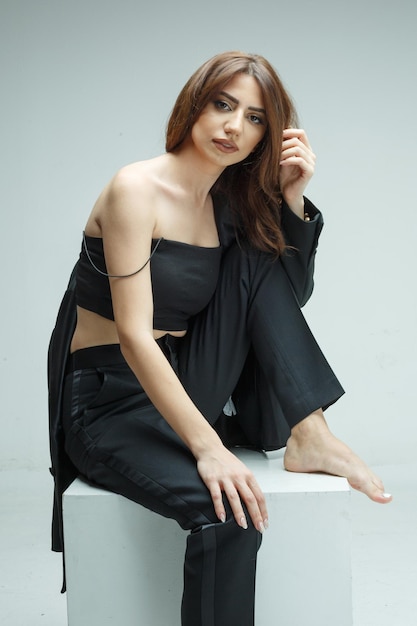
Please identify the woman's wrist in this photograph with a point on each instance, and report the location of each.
(203, 442)
(297, 206)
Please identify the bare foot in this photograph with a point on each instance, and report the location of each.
(313, 448)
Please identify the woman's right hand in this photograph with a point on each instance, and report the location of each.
(221, 472)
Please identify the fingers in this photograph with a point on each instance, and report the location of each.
(295, 141)
(225, 475)
(296, 148)
(296, 133)
(216, 496)
(251, 494)
(238, 491)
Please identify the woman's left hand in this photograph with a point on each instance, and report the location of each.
(297, 168)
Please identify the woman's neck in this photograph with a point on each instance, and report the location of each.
(191, 174)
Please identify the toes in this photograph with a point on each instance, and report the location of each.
(383, 498)
(379, 493)
(373, 489)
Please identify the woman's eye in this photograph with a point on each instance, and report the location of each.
(256, 119)
(223, 106)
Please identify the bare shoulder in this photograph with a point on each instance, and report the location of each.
(132, 177)
(127, 198)
(130, 187)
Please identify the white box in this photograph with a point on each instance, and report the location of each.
(124, 563)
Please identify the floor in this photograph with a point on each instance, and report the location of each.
(384, 553)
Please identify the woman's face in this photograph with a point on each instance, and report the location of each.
(230, 126)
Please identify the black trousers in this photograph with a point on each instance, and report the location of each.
(117, 439)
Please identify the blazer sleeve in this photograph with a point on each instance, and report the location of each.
(302, 238)
(62, 468)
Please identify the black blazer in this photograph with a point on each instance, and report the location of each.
(299, 265)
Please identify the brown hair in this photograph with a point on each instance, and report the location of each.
(251, 186)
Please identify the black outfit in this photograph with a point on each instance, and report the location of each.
(184, 278)
(250, 341)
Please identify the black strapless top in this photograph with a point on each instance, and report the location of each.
(184, 278)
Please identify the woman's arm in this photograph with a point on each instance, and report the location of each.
(296, 168)
(127, 222)
(302, 237)
(301, 221)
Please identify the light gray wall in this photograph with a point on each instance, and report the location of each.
(87, 87)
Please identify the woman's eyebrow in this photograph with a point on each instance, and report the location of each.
(236, 101)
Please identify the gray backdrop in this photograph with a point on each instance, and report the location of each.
(87, 87)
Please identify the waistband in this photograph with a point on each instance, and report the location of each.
(96, 356)
(104, 355)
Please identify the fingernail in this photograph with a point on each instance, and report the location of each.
(243, 522)
(261, 527)
(386, 495)
(266, 523)
(222, 517)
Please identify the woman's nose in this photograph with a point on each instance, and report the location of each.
(233, 124)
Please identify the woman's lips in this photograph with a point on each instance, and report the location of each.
(225, 146)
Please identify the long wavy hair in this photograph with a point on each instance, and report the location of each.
(251, 186)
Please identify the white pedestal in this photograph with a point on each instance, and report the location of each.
(124, 563)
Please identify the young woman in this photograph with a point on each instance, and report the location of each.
(193, 268)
